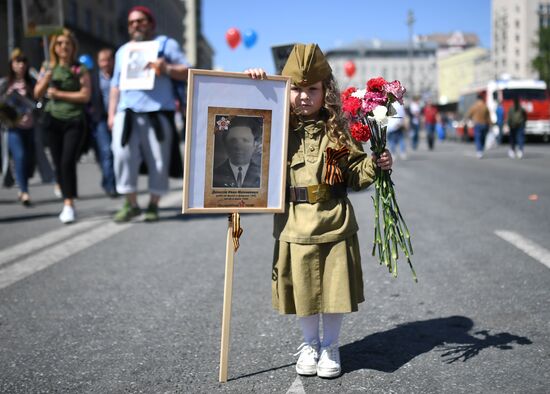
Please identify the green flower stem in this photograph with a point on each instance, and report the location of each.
(391, 234)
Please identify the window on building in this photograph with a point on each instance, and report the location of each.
(88, 20)
(517, 66)
(517, 23)
(517, 37)
(72, 15)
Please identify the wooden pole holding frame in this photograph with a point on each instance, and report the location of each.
(227, 297)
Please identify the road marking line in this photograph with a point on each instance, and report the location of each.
(297, 387)
(56, 253)
(526, 245)
(43, 240)
(51, 254)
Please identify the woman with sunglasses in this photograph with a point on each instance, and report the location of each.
(67, 85)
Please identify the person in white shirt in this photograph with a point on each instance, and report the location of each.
(396, 131)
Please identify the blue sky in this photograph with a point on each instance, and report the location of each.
(331, 23)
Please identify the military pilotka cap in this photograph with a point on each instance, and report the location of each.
(306, 65)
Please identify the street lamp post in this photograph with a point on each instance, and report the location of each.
(410, 24)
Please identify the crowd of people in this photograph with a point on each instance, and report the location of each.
(131, 131)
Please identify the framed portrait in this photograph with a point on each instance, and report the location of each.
(236, 143)
(42, 17)
(134, 74)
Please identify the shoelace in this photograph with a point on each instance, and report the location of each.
(305, 347)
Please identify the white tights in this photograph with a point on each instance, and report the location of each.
(331, 328)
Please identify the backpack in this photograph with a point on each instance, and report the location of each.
(179, 88)
(516, 117)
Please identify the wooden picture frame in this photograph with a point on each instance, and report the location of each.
(236, 143)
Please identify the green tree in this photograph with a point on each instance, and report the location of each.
(541, 63)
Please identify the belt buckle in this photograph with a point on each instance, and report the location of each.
(301, 194)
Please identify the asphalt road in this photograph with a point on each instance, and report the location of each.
(101, 308)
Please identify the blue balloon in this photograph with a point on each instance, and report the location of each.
(249, 38)
(87, 61)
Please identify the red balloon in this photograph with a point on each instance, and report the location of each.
(233, 37)
(349, 68)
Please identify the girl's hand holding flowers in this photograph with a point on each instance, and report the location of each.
(368, 111)
(385, 161)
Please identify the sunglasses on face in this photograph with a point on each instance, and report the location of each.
(139, 21)
(60, 43)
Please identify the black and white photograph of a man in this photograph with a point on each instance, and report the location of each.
(237, 160)
(137, 65)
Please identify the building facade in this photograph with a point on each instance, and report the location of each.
(103, 23)
(462, 70)
(515, 25)
(415, 66)
(197, 48)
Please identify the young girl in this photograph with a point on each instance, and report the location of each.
(317, 267)
(67, 84)
(21, 135)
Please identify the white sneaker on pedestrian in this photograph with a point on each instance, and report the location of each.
(519, 154)
(479, 155)
(309, 355)
(329, 362)
(67, 215)
(57, 191)
(511, 154)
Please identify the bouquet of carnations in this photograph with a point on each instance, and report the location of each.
(368, 111)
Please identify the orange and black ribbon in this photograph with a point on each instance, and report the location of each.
(333, 173)
(236, 230)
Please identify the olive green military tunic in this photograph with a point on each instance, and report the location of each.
(317, 265)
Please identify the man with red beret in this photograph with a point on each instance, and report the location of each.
(142, 121)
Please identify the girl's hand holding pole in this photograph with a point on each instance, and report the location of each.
(256, 73)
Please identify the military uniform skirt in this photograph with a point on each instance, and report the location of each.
(317, 278)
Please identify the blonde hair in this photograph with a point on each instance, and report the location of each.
(54, 59)
(337, 127)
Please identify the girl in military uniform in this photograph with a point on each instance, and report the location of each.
(317, 266)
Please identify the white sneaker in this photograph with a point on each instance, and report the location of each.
(57, 191)
(520, 154)
(511, 154)
(67, 215)
(309, 355)
(479, 155)
(329, 362)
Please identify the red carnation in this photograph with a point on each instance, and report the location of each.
(351, 105)
(360, 132)
(376, 84)
(347, 93)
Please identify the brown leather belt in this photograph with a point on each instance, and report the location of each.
(316, 193)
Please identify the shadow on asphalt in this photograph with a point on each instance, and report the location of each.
(389, 350)
(25, 218)
(260, 372)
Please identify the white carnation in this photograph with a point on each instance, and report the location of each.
(380, 113)
(360, 93)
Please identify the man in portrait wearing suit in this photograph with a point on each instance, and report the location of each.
(240, 141)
